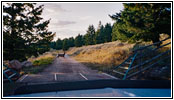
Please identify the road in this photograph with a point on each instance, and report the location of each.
(65, 69)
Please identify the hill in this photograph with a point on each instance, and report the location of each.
(104, 57)
(101, 56)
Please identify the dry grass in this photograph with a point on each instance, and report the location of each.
(167, 47)
(101, 56)
(40, 62)
(50, 54)
(104, 56)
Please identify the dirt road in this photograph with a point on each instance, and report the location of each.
(65, 69)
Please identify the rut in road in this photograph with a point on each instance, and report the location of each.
(65, 69)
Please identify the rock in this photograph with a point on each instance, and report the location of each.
(26, 64)
(15, 64)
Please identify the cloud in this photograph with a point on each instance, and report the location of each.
(56, 23)
(53, 8)
(66, 22)
(85, 18)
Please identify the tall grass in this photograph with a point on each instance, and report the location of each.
(102, 56)
(108, 55)
(43, 61)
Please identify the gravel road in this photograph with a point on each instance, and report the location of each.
(64, 69)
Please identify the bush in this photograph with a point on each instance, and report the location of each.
(43, 61)
(39, 65)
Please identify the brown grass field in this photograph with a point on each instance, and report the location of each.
(101, 56)
(104, 56)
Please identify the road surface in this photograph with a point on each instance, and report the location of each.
(64, 69)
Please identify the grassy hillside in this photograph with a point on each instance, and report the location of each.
(105, 56)
(101, 56)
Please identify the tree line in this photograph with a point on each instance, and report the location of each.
(136, 22)
(25, 33)
(93, 36)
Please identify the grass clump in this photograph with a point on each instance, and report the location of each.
(39, 63)
(43, 61)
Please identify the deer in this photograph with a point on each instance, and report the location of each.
(61, 55)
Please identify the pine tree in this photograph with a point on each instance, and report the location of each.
(24, 34)
(59, 44)
(90, 35)
(78, 41)
(99, 33)
(107, 32)
(65, 44)
(143, 21)
(53, 45)
(71, 42)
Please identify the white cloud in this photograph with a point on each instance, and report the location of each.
(85, 18)
(52, 8)
(70, 19)
(66, 22)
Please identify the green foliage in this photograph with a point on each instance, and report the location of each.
(65, 44)
(99, 38)
(59, 44)
(24, 34)
(53, 45)
(119, 32)
(114, 32)
(107, 32)
(71, 42)
(39, 65)
(102, 35)
(89, 36)
(43, 61)
(78, 41)
(142, 21)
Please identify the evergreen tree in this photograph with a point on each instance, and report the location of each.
(114, 32)
(90, 35)
(59, 44)
(78, 40)
(141, 21)
(53, 45)
(71, 42)
(24, 34)
(119, 32)
(65, 44)
(107, 32)
(98, 33)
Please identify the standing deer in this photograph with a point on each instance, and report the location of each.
(61, 55)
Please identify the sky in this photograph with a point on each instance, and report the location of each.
(71, 19)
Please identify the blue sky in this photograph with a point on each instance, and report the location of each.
(70, 19)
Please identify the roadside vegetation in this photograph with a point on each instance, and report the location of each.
(26, 36)
(39, 63)
(102, 56)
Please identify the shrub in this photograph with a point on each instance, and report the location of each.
(43, 61)
(39, 65)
